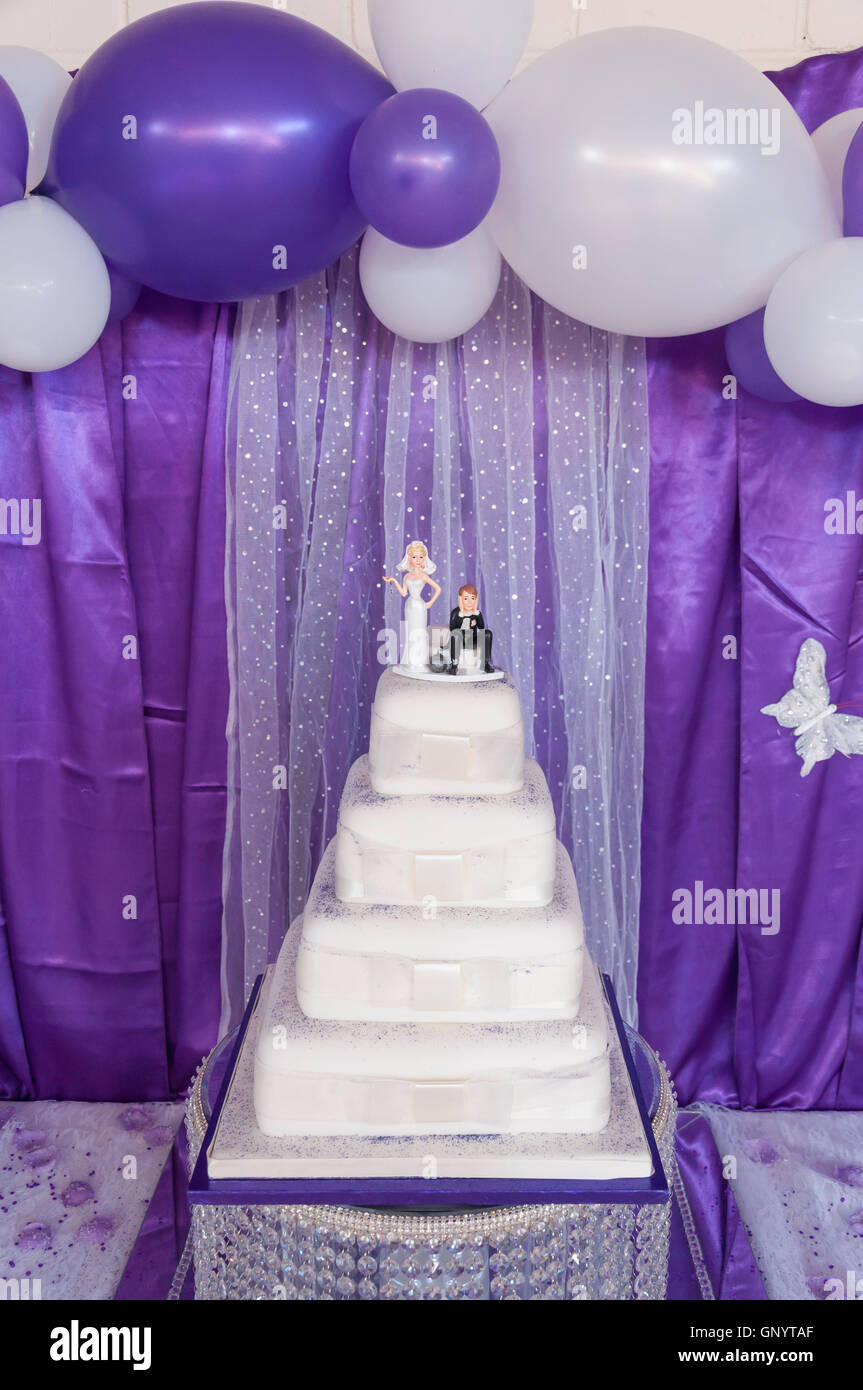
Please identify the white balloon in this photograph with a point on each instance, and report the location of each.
(831, 140)
(430, 296)
(40, 85)
(469, 47)
(628, 198)
(813, 323)
(54, 288)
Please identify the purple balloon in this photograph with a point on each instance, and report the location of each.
(748, 360)
(852, 187)
(425, 168)
(125, 294)
(205, 148)
(14, 147)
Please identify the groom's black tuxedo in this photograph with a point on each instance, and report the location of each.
(456, 618)
(475, 623)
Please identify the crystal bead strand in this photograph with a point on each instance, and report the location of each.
(306, 1272)
(580, 1272)
(614, 1256)
(345, 1263)
(325, 1262)
(368, 1252)
(285, 1223)
(504, 1274)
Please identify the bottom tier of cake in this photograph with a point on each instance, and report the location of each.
(319, 1077)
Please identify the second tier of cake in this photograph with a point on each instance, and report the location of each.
(471, 849)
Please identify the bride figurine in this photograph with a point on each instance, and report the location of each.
(417, 569)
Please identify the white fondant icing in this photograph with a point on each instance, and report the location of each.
(447, 706)
(333, 1077)
(455, 849)
(365, 961)
(445, 737)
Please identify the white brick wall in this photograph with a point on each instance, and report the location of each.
(770, 33)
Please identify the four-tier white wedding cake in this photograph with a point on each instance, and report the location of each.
(437, 982)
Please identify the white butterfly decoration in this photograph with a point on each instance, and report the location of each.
(821, 731)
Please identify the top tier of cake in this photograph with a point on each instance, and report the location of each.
(446, 737)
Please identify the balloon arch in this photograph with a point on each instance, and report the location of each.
(642, 180)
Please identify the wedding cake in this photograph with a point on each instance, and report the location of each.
(438, 982)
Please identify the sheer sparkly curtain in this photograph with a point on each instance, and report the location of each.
(597, 500)
(499, 387)
(519, 455)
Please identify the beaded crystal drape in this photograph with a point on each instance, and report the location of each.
(519, 453)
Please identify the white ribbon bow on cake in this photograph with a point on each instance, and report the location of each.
(820, 729)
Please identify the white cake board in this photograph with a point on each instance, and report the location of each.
(239, 1150)
(461, 677)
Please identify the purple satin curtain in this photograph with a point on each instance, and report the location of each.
(112, 755)
(738, 549)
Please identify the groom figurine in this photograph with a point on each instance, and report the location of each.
(464, 619)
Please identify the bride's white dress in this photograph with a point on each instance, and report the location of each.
(416, 624)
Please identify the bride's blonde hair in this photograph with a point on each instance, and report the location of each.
(429, 566)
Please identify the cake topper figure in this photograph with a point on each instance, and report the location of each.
(468, 650)
(417, 568)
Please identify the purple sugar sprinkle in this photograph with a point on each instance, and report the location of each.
(134, 1117)
(759, 1151)
(34, 1236)
(96, 1231)
(76, 1194)
(42, 1157)
(852, 1175)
